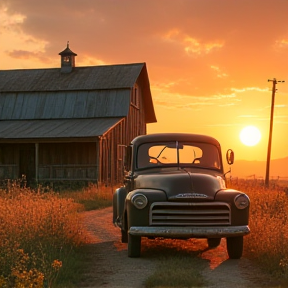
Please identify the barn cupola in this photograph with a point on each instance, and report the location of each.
(67, 60)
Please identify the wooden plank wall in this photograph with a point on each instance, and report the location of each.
(113, 142)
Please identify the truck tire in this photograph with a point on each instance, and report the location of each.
(213, 242)
(134, 246)
(235, 247)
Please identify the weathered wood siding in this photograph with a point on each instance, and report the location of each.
(68, 161)
(113, 143)
(9, 161)
(57, 161)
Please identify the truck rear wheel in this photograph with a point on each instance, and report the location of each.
(134, 246)
(235, 247)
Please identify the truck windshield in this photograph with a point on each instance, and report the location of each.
(203, 155)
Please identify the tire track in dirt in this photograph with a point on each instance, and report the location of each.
(110, 267)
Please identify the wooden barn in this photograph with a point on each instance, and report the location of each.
(71, 123)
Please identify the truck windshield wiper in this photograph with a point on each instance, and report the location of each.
(161, 152)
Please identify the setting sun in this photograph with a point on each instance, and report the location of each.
(250, 135)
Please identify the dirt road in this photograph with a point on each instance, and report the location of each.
(110, 267)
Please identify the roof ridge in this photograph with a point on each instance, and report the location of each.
(81, 78)
(77, 67)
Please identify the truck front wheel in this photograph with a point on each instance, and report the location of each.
(235, 247)
(134, 246)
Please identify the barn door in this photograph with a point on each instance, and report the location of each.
(120, 162)
(27, 162)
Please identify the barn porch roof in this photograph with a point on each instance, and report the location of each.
(55, 128)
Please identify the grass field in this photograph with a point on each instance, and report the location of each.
(267, 244)
(41, 235)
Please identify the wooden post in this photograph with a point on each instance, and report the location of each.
(270, 131)
(36, 162)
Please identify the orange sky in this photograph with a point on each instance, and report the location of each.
(208, 61)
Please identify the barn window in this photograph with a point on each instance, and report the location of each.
(135, 96)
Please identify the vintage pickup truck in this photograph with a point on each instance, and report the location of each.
(175, 187)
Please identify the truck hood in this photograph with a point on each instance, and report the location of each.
(181, 185)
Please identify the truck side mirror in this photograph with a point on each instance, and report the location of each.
(230, 156)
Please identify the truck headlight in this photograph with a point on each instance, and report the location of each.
(139, 200)
(241, 201)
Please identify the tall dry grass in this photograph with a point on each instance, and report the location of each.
(38, 233)
(93, 196)
(267, 244)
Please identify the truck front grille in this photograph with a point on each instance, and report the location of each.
(189, 214)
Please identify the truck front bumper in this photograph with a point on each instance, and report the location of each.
(189, 232)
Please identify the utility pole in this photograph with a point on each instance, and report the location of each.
(271, 128)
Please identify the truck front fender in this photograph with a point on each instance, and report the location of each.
(118, 205)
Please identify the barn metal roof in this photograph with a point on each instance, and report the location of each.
(65, 128)
(81, 78)
(26, 88)
(64, 105)
(87, 102)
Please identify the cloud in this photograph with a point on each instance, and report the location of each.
(176, 101)
(191, 45)
(87, 60)
(280, 106)
(281, 116)
(219, 72)
(15, 43)
(247, 116)
(163, 97)
(10, 21)
(221, 125)
(281, 44)
(245, 89)
(22, 54)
